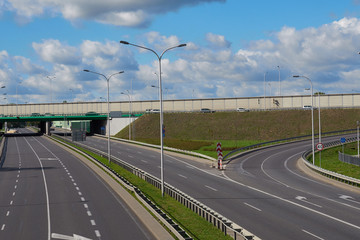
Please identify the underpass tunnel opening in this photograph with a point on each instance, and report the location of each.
(98, 127)
(89, 126)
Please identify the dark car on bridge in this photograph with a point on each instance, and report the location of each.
(206, 110)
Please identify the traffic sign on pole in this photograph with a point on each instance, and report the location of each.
(342, 140)
(320, 146)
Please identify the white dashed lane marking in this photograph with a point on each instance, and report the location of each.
(88, 212)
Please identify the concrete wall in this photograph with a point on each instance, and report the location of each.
(218, 104)
(117, 124)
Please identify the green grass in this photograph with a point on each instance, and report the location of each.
(226, 146)
(200, 132)
(193, 224)
(330, 160)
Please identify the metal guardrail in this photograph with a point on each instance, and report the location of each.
(167, 221)
(281, 140)
(165, 148)
(327, 173)
(225, 225)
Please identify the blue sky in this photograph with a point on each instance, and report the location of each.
(231, 45)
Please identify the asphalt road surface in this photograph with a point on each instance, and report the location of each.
(264, 191)
(47, 193)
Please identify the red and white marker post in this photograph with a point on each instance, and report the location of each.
(220, 155)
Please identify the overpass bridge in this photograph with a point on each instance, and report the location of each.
(71, 111)
(184, 105)
(98, 122)
(51, 118)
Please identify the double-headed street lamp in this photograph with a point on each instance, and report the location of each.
(161, 106)
(312, 117)
(108, 105)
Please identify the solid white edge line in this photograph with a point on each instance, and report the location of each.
(249, 205)
(46, 190)
(269, 194)
(311, 234)
(214, 189)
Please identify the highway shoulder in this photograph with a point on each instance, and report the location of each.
(301, 165)
(152, 225)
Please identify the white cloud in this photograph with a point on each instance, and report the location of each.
(3, 56)
(130, 13)
(328, 55)
(161, 42)
(217, 40)
(107, 56)
(54, 51)
(25, 66)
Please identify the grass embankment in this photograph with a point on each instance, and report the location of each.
(193, 224)
(330, 160)
(200, 132)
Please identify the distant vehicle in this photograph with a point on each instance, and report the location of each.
(242, 109)
(49, 114)
(35, 114)
(206, 110)
(155, 111)
(307, 107)
(91, 114)
(148, 110)
(12, 131)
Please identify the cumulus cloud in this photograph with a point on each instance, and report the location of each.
(161, 42)
(106, 56)
(130, 13)
(54, 51)
(217, 40)
(327, 54)
(25, 66)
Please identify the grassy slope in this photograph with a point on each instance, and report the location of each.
(201, 131)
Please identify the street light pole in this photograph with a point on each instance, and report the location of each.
(17, 97)
(71, 90)
(319, 125)
(128, 94)
(312, 117)
(108, 105)
(279, 81)
(357, 126)
(161, 106)
(51, 100)
(265, 91)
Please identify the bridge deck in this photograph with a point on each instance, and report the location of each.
(51, 118)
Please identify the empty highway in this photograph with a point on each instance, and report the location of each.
(47, 193)
(263, 191)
